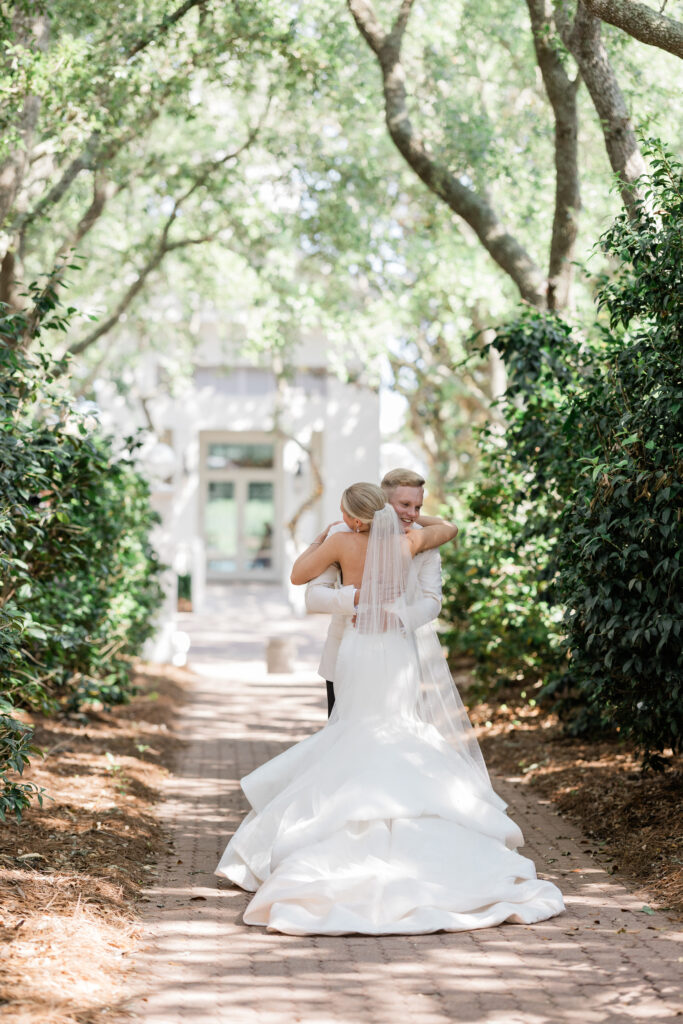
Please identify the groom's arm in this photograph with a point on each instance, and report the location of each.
(324, 596)
(428, 566)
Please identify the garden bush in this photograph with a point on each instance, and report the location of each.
(500, 598)
(80, 579)
(578, 512)
(621, 535)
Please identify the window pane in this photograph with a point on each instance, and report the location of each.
(258, 525)
(226, 456)
(220, 527)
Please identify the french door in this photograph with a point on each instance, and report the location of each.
(240, 506)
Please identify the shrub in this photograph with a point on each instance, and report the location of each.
(500, 599)
(622, 533)
(580, 504)
(79, 575)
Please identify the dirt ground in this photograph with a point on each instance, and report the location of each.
(634, 820)
(71, 872)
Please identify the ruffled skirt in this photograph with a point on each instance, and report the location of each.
(376, 825)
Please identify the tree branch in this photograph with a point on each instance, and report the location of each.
(368, 25)
(84, 161)
(163, 248)
(317, 487)
(103, 190)
(401, 22)
(561, 91)
(641, 22)
(164, 244)
(583, 40)
(91, 155)
(163, 26)
(507, 252)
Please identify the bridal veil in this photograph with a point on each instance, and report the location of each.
(389, 587)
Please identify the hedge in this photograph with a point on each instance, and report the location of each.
(80, 578)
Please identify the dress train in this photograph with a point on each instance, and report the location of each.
(376, 824)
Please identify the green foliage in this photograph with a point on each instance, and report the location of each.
(621, 535)
(318, 223)
(78, 573)
(570, 570)
(498, 612)
(15, 749)
(501, 601)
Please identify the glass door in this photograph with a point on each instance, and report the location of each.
(239, 508)
(220, 527)
(259, 524)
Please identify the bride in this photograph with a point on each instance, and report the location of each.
(384, 821)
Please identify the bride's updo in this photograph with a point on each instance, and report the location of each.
(361, 501)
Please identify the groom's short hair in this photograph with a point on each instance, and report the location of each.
(401, 478)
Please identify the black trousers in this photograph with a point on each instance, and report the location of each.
(330, 696)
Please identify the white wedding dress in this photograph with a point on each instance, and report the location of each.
(379, 824)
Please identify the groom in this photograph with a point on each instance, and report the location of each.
(405, 492)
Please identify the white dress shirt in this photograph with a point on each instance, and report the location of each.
(327, 595)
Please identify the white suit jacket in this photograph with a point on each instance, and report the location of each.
(326, 594)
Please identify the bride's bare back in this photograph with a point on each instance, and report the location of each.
(353, 547)
(348, 550)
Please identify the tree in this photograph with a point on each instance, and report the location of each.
(583, 38)
(79, 579)
(80, 140)
(464, 200)
(320, 218)
(488, 168)
(444, 172)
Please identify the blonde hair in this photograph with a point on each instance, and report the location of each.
(361, 501)
(401, 478)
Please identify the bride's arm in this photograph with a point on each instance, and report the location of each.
(317, 556)
(324, 594)
(433, 534)
(424, 520)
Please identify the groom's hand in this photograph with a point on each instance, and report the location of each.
(323, 536)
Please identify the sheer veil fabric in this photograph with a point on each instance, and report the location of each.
(384, 821)
(389, 585)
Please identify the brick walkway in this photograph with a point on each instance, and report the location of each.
(605, 960)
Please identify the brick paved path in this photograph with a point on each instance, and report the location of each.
(603, 961)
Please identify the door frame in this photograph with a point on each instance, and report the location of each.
(241, 476)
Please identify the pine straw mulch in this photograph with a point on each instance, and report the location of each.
(71, 871)
(632, 818)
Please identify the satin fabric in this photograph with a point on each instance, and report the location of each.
(376, 825)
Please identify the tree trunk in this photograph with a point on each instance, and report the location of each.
(561, 92)
(30, 32)
(8, 280)
(583, 39)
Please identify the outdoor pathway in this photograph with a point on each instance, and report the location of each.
(605, 960)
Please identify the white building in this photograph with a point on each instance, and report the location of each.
(237, 459)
